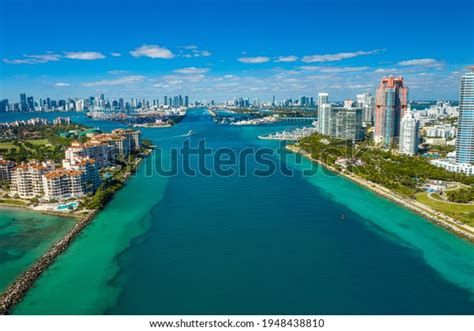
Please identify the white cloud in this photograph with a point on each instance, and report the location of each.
(153, 51)
(62, 84)
(116, 54)
(119, 81)
(290, 58)
(386, 70)
(421, 62)
(194, 52)
(117, 72)
(84, 55)
(34, 59)
(333, 69)
(336, 57)
(257, 59)
(192, 70)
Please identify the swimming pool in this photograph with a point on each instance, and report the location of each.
(70, 206)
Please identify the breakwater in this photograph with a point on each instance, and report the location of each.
(15, 292)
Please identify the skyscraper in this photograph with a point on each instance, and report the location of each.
(30, 103)
(391, 103)
(340, 123)
(409, 127)
(465, 139)
(367, 103)
(324, 112)
(322, 99)
(23, 105)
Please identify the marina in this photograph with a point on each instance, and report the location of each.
(293, 135)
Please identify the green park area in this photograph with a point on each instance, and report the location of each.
(461, 211)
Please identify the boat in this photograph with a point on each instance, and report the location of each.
(190, 132)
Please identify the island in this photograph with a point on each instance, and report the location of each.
(64, 169)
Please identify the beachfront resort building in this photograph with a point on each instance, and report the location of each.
(6, 170)
(27, 179)
(100, 152)
(390, 106)
(75, 179)
(107, 147)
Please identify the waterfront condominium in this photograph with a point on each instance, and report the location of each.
(390, 106)
(340, 122)
(409, 134)
(27, 179)
(366, 102)
(465, 138)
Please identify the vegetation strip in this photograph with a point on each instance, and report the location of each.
(445, 221)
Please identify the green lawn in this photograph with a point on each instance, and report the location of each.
(8, 145)
(39, 141)
(12, 202)
(462, 212)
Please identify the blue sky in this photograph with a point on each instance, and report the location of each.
(221, 49)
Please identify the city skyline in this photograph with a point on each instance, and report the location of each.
(125, 53)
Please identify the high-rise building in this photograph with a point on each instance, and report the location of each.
(4, 105)
(348, 103)
(391, 103)
(23, 104)
(367, 103)
(30, 103)
(324, 119)
(322, 99)
(341, 123)
(409, 127)
(465, 138)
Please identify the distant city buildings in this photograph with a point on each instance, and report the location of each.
(409, 128)
(100, 103)
(465, 138)
(390, 106)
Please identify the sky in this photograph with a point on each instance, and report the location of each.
(219, 50)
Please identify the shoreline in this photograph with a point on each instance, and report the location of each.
(44, 212)
(458, 228)
(16, 290)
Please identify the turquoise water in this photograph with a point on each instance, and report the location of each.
(254, 245)
(24, 237)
